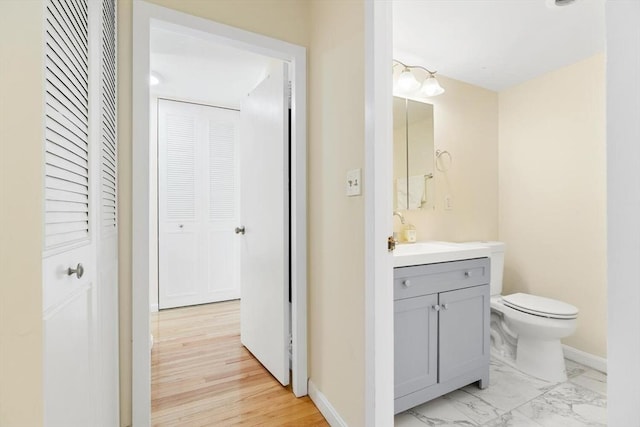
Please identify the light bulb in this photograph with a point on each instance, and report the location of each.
(407, 82)
(431, 87)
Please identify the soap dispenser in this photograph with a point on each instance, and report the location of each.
(410, 233)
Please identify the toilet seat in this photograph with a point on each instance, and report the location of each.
(540, 306)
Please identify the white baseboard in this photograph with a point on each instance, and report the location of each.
(595, 362)
(153, 308)
(324, 406)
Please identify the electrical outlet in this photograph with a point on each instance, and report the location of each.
(354, 182)
(448, 204)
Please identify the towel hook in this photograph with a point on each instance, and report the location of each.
(442, 167)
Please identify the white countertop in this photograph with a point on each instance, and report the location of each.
(407, 254)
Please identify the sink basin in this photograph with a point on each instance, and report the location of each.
(407, 254)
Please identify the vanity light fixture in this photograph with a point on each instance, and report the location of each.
(431, 87)
(407, 81)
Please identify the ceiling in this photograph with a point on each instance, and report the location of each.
(196, 69)
(496, 44)
(493, 44)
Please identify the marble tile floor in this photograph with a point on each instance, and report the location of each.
(514, 399)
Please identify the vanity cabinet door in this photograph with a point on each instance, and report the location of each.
(416, 344)
(464, 331)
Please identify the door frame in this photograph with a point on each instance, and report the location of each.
(145, 16)
(378, 184)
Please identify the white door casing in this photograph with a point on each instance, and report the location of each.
(198, 204)
(264, 201)
(79, 318)
(145, 16)
(378, 200)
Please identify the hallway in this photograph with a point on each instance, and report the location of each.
(202, 376)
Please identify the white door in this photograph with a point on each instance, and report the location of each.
(79, 318)
(264, 225)
(69, 298)
(198, 204)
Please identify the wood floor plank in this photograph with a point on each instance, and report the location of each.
(201, 375)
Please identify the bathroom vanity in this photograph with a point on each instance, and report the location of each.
(441, 303)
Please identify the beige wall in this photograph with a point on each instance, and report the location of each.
(336, 228)
(21, 136)
(466, 125)
(553, 193)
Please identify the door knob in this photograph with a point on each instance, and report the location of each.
(445, 306)
(407, 283)
(78, 271)
(436, 307)
(240, 230)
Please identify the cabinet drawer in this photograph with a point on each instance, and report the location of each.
(445, 276)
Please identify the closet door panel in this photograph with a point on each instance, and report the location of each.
(198, 204)
(179, 218)
(223, 276)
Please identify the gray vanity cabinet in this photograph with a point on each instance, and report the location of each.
(441, 328)
(415, 355)
(463, 330)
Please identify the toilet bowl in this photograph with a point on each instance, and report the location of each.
(526, 329)
(537, 333)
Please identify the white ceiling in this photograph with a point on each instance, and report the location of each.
(195, 69)
(496, 44)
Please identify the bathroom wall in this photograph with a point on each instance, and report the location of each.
(529, 169)
(553, 193)
(336, 228)
(466, 125)
(21, 237)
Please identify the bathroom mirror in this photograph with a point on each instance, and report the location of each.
(413, 154)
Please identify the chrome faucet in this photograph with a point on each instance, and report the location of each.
(399, 215)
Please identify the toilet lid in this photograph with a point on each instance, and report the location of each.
(540, 306)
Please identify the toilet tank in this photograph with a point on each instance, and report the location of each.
(497, 264)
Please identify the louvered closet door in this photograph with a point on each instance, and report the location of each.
(72, 304)
(198, 204)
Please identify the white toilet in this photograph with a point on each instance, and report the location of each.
(526, 329)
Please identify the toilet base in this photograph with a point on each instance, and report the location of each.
(542, 359)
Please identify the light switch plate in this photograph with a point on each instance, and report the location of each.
(354, 182)
(448, 203)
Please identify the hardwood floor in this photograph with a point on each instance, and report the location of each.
(202, 376)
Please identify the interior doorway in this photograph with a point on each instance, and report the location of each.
(147, 19)
(222, 160)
